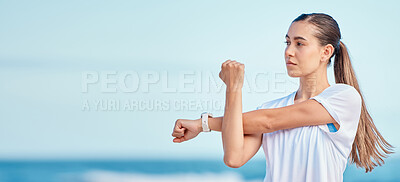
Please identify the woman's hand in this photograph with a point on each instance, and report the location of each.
(232, 74)
(186, 129)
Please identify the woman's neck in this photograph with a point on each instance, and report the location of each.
(311, 85)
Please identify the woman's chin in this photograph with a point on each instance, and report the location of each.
(293, 74)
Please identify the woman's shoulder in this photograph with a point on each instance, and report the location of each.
(339, 88)
(340, 93)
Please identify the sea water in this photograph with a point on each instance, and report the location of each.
(160, 170)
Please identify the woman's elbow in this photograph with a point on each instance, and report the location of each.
(268, 127)
(268, 124)
(232, 163)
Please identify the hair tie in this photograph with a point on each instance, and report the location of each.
(337, 51)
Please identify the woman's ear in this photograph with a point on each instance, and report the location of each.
(327, 52)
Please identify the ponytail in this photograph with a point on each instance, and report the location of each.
(369, 147)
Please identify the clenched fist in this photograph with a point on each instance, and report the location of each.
(186, 129)
(232, 74)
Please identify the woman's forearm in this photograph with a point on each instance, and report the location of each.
(253, 122)
(232, 128)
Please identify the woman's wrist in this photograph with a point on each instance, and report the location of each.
(234, 88)
(199, 125)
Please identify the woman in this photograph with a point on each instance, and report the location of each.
(309, 134)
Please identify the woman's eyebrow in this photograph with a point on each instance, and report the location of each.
(295, 38)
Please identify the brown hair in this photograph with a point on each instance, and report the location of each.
(369, 147)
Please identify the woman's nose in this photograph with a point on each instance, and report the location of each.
(288, 52)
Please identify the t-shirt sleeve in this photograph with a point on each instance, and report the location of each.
(343, 102)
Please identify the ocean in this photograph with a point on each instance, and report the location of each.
(160, 170)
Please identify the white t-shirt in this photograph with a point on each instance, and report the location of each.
(313, 153)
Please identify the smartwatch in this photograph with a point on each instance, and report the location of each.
(204, 121)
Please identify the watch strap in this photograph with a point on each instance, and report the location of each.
(204, 121)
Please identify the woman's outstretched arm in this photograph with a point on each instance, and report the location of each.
(254, 122)
(306, 113)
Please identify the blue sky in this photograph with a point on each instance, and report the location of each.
(47, 47)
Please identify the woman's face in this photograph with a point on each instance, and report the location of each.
(303, 52)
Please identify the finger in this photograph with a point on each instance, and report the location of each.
(179, 140)
(179, 133)
(176, 140)
(238, 64)
(226, 62)
(232, 63)
(177, 129)
(176, 134)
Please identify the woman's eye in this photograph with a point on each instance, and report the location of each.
(287, 43)
(299, 44)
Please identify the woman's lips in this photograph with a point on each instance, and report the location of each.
(290, 64)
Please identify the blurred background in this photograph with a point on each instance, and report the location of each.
(90, 90)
